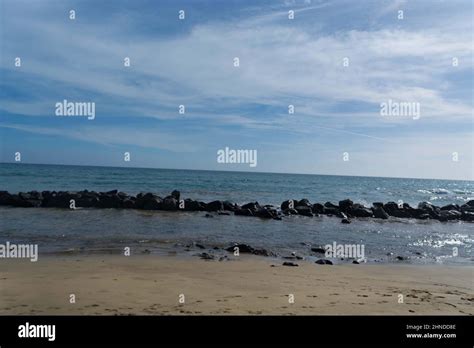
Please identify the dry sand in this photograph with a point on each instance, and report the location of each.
(151, 284)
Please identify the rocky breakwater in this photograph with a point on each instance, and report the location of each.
(345, 209)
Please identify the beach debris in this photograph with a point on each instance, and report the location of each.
(290, 264)
(323, 262)
(206, 256)
(320, 250)
(247, 249)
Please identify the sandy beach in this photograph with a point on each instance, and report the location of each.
(153, 285)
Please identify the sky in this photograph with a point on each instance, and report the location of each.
(336, 62)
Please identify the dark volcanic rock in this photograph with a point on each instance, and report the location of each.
(253, 206)
(290, 212)
(5, 198)
(176, 194)
(304, 210)
(317, 208)
(289, 204)
(345, 221)
(358, 210)
(215, 206)
(230, 206)
(190, 205)
(379, 213)
(345, 205)
(109, 200)
(206, 256)
(467, 216)
(170, 203)
(303, 203)
(266, 213)
(430, 209)
(290, 264)
(392, 209)
(243, 212)
(447, 215)
(247, 249)
(320, 250)
(323, 262)
(451, 207)
(148, 201)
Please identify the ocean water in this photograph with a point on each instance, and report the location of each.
(109, 230)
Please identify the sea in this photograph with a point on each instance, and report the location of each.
(58, 231)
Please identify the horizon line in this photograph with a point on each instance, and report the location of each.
(235, 171)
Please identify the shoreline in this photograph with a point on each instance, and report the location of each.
(250, 285)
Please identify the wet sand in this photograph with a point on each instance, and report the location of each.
(153, 285)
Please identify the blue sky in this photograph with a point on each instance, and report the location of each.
(282, 62)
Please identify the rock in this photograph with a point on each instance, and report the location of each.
(304, 210)
(467, 216)
(379, 213)
(330, 205)
(109, 200)
(291, 264)
(170, 203)
(470, 203)
(243, 248)
(247, 249)
(290, 212)
(320, 250)
(176, 194)
(230, 206)
(430, 209)
(345, 205)
(243, 212)
(190, 205)
(377, 205)
(206, 256)
(345, 221)
(148, 201)
(5, 198)
(355, 262)
(59, 199)
(451, 207)
(266, 213)
(332, 211)
(401, 258)
(252, 206)
(392, 209)
(303, 203)
(317, 208)
(200, 246)
(223, 213)
(323, 262)
(127, 203)
(208, 216)
(215, 206)
(447, 215)
(288, 204)
(358, 210)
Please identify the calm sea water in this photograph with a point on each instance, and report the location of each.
(88, 229)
